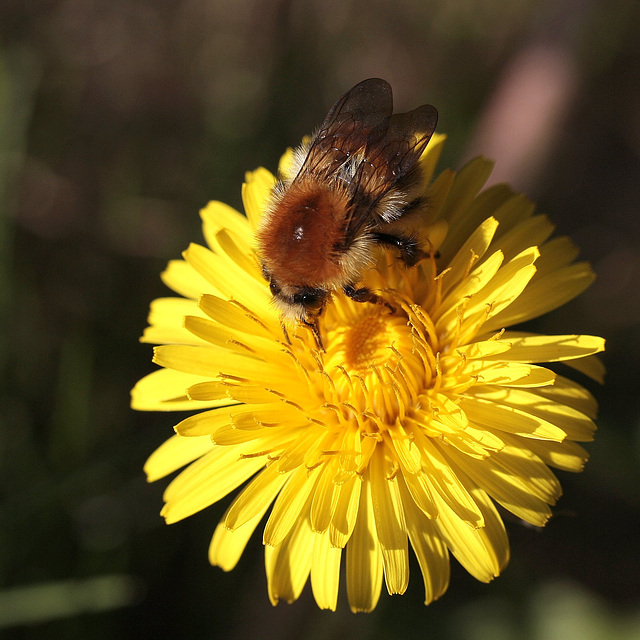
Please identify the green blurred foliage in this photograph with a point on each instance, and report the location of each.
(119, 119)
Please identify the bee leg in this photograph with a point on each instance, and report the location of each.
(410, 251)
(365, 295)
(313, 325)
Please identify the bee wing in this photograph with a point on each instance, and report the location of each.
(387, 161)
(406, 138)
(359, 119)
(360, 125)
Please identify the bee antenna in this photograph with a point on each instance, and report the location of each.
(284, 330)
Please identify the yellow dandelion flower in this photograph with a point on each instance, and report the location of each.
(411, 424)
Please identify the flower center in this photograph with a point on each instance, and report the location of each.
(376, 359)
(366, 342)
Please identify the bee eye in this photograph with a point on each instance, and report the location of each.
(274, 288)
(310, 300)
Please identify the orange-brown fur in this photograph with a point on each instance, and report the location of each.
(302, 232)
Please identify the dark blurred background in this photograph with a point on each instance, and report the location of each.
(119, 120)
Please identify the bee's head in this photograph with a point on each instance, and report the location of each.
(297, 302)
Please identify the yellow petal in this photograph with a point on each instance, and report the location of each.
(420, 492)
(206, 481)
(307, 443)
(255, 497)
(227, 546)
(174, 453)
(251, 394)
(431, 551)
(205, 262)
(522, 422)
(233, 316)
(436, 196)
(325, 572)
(270, 441)
(515, 478)
(481, 441)
(204, 423)
(390, 527)
(538, 348)
(431, 155)
(286, 164)
(205, 361)
(493, 534)
(170, 335)
(325, 498)
(528, 232)
(480, 277)
(565, 391)
(472, 213)
(481, 551)
(462, 441)
(364, 557)
(405, 449)
(555, 254)
(240, 253)
(227, 278)
(204, 331)
(567, 455)
(544, 294)
(509, 374)
(346, 512)
(507, 285)
(448, 412)
(469, 180)
(255, 194)
(476, 246)
(590, 366)
(167, 314)
(287, 509)
(444, 481)
(288, 565)
(350, 449)
(271, 414)
(227, 435)
(513, 212)
(210, 390)
(523, 409)
(218, 215)
(185, 280)
(213, 361)
(166, 390)
(497, 294)
(482, 349)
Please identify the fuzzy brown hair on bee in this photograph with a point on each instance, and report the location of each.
(349, 186)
